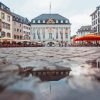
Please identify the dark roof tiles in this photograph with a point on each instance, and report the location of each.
(5, 8)
(20, 19)
(85, 28)
(50, 16)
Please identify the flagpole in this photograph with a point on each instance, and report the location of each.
(50, 7)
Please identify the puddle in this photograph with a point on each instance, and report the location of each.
(78, 85)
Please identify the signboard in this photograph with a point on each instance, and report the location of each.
(0, 25)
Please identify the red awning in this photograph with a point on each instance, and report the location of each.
(90, 37)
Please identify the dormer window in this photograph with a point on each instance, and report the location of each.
(38, 21)
(61, 21)
(56, 21)
(66, 21)
(33, 21)
(2, 6)
(43, 21)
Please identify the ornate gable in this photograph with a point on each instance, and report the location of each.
(50, 21)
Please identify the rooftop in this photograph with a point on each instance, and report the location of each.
(85, 28)
(97, 8)
(5, 8)
(54, 17)
(20, 19)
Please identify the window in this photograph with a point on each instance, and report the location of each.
(8, 35)
(6, 25)
(38, 21)
(56, 21)
(56, 33)
(66, 21)
(2, 15)
(43, 21)
(34, 36)
(20, 37)
(33, 21)
(17, 37)
(50, 35)
(38, 34)
(43, 32)
(2, 6)
(14, 36)
(61, 35)
(17, 30)
(2, 34)
(61, 21)
(8, 18)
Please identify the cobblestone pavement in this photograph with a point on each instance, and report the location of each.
(80, 84)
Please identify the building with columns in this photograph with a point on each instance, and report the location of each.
(96, 20)
(51, 30)
(5, 23)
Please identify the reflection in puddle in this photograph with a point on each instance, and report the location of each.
(80, 84)
(74, 86)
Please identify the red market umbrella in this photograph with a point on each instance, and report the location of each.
(88, 37)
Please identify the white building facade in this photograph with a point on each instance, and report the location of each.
(51, 30)
(96, 20)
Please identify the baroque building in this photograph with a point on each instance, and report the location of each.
(51, 30)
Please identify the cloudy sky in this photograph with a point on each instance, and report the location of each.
(77, 11)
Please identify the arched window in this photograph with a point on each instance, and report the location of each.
(8, 35)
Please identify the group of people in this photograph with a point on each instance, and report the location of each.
(19, 44)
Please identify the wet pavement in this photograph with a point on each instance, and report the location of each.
(81, 84)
